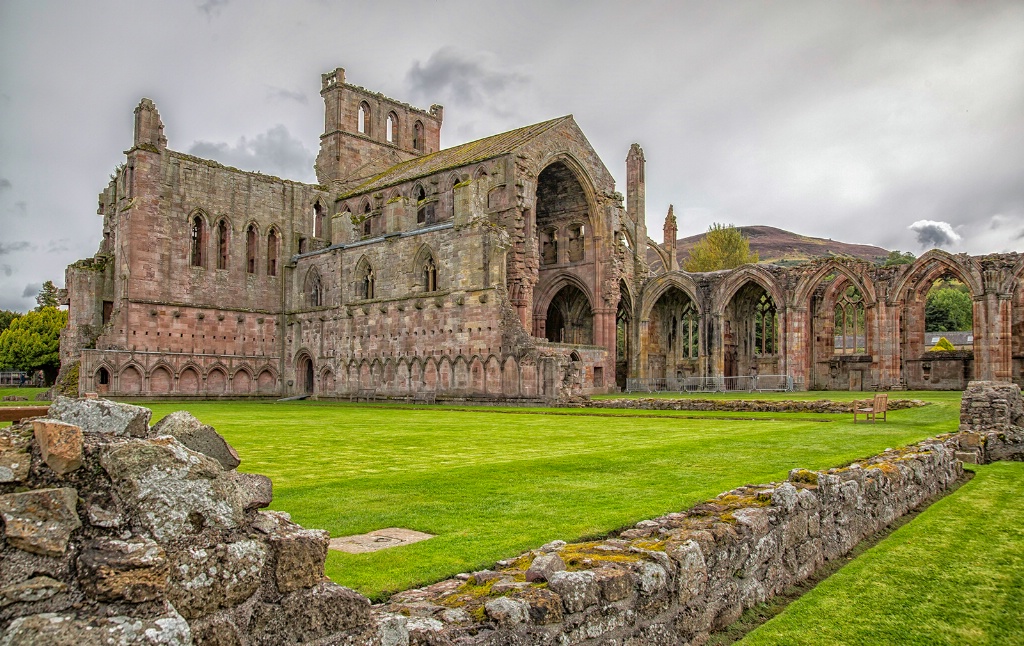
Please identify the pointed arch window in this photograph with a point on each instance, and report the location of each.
(364, 280)
(318, 220)
(367, 220)
(223, 240)
(766, 327)
(424, 211)
(273, 249)
(363, 124)
(417, 136)
(391, 126)
(251, 241)
(428, 271)
(314, 289)
(198, 236)
(850, 331)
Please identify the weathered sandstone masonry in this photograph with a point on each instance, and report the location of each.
(118, 532)
(746, 405)
(509, 268)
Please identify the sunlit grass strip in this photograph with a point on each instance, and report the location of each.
(954, 575)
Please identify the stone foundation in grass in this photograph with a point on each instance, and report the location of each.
(748, 405)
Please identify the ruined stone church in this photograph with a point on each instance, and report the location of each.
(504, 268)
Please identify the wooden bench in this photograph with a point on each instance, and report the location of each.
(18, 413)
(369, 394)
(424, 397)
(878, 406)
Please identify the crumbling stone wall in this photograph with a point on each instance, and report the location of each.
(674, 579)
(115, 532)
(991, 423)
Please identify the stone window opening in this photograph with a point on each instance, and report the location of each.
(198, 235)
(391, 128)
(103, 377)
(251, 236)
(223, 238)
(570, 318)
(766, 327)
(417, 136)
(575, 242)
(273, 248)
(367, 220)
(424, 211)
(850, 329)
(363, 118)
(364, 280)
(318, 220)
(429, 273)
(549, 247)
(314, 289)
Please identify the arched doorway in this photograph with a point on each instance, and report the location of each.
(305, 374)
(570, 318)
(623, 337)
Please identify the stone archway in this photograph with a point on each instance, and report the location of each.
(751, 333)
(570, 318)
(305, 375)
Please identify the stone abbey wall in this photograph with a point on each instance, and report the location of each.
(511, 255)
(118, 532)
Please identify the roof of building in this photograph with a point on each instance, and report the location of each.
(454, 157)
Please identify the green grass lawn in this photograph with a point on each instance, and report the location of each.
(491, 483)
(954, 575)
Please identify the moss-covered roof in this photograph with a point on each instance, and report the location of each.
(454, 157)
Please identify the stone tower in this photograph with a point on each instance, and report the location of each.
(636, 195)
(670, 232)
(366, 132)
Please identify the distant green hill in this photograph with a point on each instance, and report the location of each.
(784, 247)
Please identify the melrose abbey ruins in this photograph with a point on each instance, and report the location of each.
(504, 268)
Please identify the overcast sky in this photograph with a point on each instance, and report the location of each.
(894, 124)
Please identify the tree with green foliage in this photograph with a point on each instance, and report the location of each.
(47, 296)
(943, 345)
(32, 342)
(948, 308)
(6, 318)
(722, 247)
(898, 258)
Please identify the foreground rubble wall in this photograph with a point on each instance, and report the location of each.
(116, 532)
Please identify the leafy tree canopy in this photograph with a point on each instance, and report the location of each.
(898, 258)
(47, 296)
(722, 247)
(948, 308)
(6, 318)
(32, 342)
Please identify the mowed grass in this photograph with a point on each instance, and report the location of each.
(954, 575)
(491, 483)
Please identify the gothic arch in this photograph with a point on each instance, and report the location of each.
(364, 283)
(807, 284)
(216, 381)
(305, 371)
(586, 183)
(480, 172)
(739, 277)
(656, 288)
(161, 379)
(1015, 278)
(129, 378)
(933, 265)
(542, 299)
(425, 269)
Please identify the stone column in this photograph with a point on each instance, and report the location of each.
(798, 342)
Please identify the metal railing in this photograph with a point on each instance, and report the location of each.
(15, 379)
(759, 383)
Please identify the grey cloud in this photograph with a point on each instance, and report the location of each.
(211, 7)
(4, 183)
(13, 247)
(7, 270)
(279, 93)
(464, 78)
(32, 289)
(274, 152)
(934, 234)
(58, 246)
